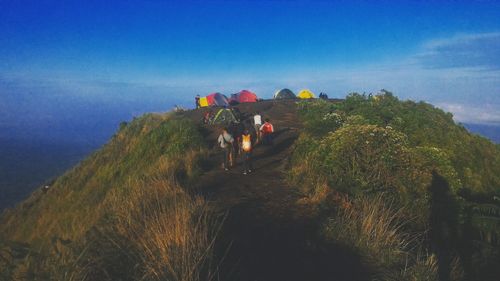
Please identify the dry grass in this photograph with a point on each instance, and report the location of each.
(155, 230)
(172, 233)
(373, 227)
(376, 231)
(122, 214)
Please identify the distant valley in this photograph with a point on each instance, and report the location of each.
(26, 165)
(491, 132)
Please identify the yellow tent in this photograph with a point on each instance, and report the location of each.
(305, 94)
(203, 102)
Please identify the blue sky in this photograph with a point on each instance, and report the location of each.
(85, 65)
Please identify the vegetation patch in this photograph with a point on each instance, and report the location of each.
(406, 166)
(120, 214)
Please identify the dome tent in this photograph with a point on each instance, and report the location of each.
(214, 99)
(242, 97)
(305, 94)
(224, 116)
(284, 94)
(234, 99)
(247, 96)
(217, 99)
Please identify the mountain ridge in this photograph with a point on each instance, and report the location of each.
(274, 218)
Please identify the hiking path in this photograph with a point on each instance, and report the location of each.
(266, 234)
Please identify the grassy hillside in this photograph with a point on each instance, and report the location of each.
(396, 179)
(474, 159)
(120, 207)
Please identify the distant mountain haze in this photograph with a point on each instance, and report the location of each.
(26, 165)
(490, 131)
(44, 134)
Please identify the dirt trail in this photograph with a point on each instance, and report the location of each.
(270, 237)
(266, 185)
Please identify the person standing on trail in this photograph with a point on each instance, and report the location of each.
(225, 141)
(246, 146)
(257, 121)
(267, 131)
(236, 130)
(197, 101)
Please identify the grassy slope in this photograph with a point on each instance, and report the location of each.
(121, 214)
(475, 159)
(76, 200)
(441, 169)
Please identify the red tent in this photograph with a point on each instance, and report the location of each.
(243, 96)
(247, 96)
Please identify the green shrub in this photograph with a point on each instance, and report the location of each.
(433, 141)
(357, 159)
(363, 159)
(320, 117)
(398, 148)
(474, 158)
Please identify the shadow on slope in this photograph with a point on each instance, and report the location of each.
(282, 249)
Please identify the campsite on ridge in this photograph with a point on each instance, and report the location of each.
(155, 204)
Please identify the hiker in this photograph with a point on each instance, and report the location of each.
(236, 130)
(237, 113)
(257, 121)
(267, 131)
(246, 146)
(225, 141)
(197, 101)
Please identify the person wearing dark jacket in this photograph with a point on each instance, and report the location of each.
(236, 129)
(197, 101)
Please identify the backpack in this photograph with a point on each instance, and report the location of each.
(267, 128)
(223, 143)
(246, 143)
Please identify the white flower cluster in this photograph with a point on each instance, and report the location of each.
(332, 116)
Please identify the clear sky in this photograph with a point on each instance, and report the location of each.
(67, 64)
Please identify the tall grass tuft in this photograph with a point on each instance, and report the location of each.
(375, 230)
(156, 231)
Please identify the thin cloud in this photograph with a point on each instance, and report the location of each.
(471, 114)
(470, 50)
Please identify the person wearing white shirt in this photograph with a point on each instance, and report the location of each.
(257, 122)
(225, 141)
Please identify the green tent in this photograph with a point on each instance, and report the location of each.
(284, 94)
(224, 116)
